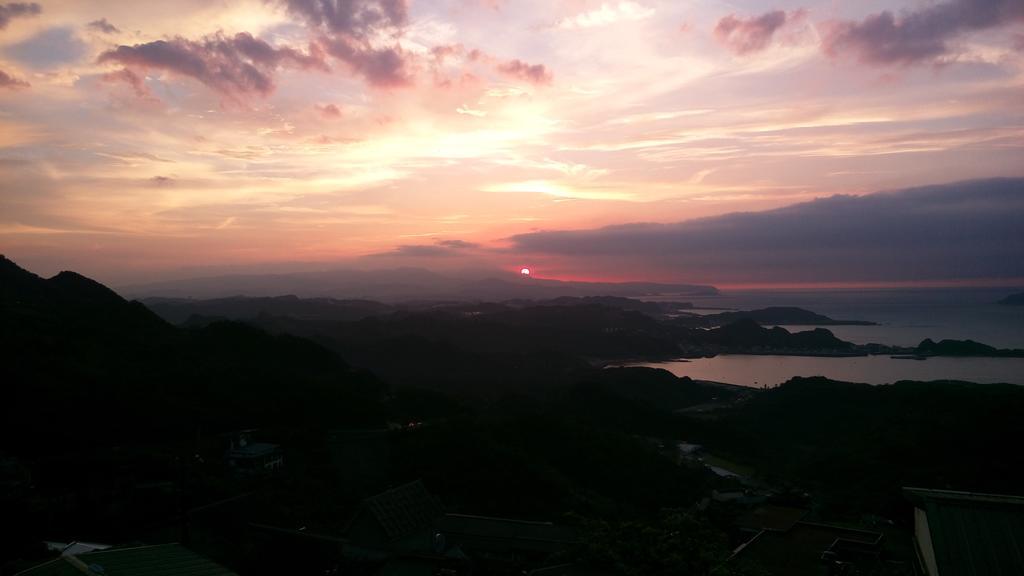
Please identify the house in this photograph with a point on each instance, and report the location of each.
(248, 457)
(407, 530)
(784, 544)
(966, 533)
(155, 560)
(399, 519)
(507, 540)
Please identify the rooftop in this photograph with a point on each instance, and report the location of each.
(483, 532)
(768, 517)
(159, 560)
(799, 550)
(973, 534)
(404, 509)
(253, 450)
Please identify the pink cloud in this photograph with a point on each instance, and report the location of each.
(130, 78)
(10, 82)
(514, 68)
(13, 10)
(352, 18)
(235, 66)
(748, 35)
(916, 36)
(346, 28)
(1018, 42)
(533, 73)
(329, 111)
(103, 26)
(382, 67)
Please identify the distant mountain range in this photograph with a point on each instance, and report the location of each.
(402, 284)
(1013, 300)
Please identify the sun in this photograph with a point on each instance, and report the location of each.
(525, 271)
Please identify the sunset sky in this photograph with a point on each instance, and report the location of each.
(149, 140)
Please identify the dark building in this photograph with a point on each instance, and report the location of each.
(783, 544)
(159, 560)
(967, 534)
(253, 458)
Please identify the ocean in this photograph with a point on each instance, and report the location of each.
(905, 317)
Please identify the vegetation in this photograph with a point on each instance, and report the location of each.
(116, 423)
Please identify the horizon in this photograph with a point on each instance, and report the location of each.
(590, 140)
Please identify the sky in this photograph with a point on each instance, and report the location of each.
(615, 140)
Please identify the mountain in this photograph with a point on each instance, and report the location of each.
(111, 371)
(772, 316)
(401, 284)
(179, 310)
(747, 336)
(1013, 300)
(928, 347)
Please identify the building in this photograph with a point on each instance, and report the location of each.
(156, 560)
(966, 533)
(254, 458)
(75, 548)
(407, 529)
(784, 544)
(396, 520)
(505, 540)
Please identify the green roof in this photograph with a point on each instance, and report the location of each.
(159, 560)
(973, 534)
(404, 509)
(482, 532)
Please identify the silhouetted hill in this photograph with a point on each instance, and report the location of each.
(780, 316)
(77, 354)
(1013, 300)
(747, 336)
(857, 444)
(928, 347)
(178, 310)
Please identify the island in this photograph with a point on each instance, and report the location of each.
(771, 316)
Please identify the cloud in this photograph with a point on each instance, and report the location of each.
(608, 13)
(10, 82)
(745, 36)
(126, 76)
(13, 10)
(103, 26)
(235, 66)
(381, 67)
(48, 49)
(515, 68)
(916, 36)
(439, 249)
(532, 73)
(353, 18)
(351, 31)
(458, 244)
(329, 111)
(954, 231)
